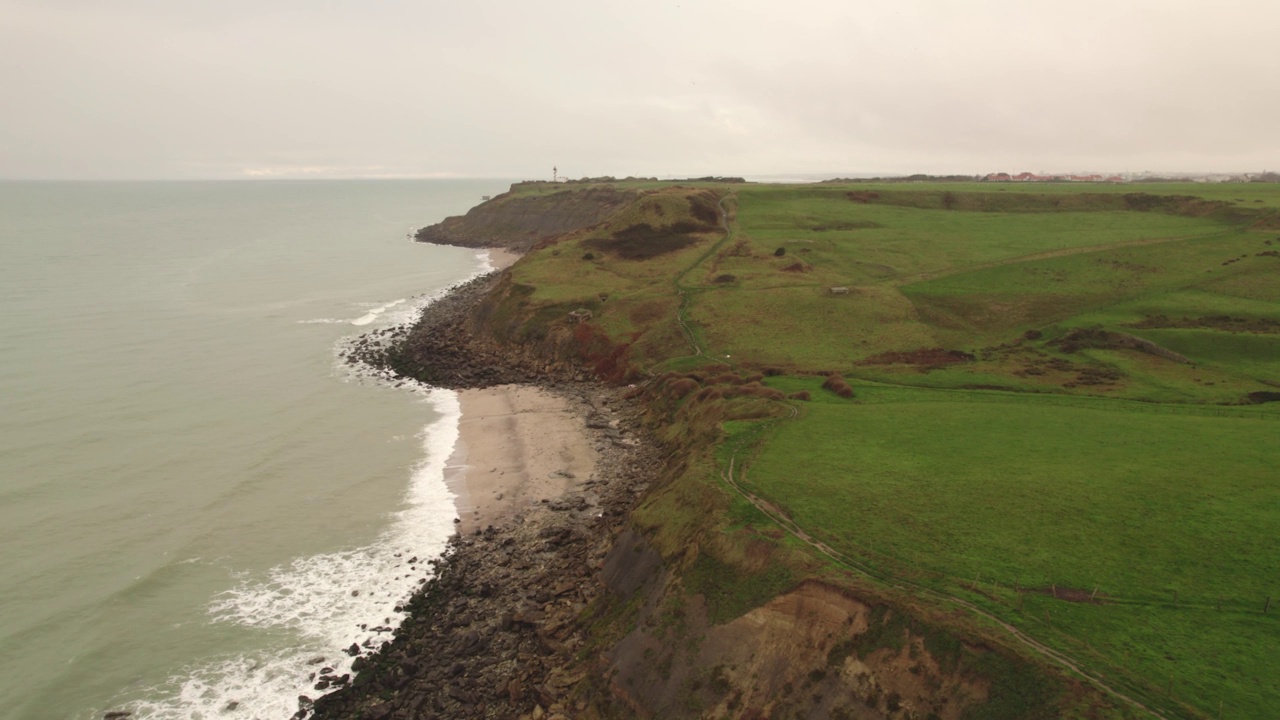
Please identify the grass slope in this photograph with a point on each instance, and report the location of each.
(1133, 501)
(1126, 462)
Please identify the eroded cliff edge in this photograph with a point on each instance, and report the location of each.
(649, 596)
(519, 222)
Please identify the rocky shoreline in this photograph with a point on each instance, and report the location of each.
(494, 632)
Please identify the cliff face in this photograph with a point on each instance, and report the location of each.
(677, 612)
(518, 222)
(814, 651)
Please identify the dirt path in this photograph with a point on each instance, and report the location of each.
(683, 293)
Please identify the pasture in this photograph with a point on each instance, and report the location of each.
(1165, 517)
(1063, 403)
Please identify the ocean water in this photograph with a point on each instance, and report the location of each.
(198, 502)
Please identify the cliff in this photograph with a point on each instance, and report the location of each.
(519, 221)
(663, 600)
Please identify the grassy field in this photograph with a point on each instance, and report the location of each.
(1060, 390)
(1136, 503)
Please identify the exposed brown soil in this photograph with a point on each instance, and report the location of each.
(1262, 396)
(643, 241)
(1210, 322)
(806, 653)
(1095, 337)
(929, 357)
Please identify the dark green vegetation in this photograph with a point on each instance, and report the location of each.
(1056, 403)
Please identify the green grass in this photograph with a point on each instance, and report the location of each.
(921, 276)
(1140, 504)
(1143, 485)
(903, 242)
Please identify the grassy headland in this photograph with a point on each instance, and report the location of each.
(1062, 415)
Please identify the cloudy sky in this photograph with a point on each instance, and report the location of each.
(429, 88)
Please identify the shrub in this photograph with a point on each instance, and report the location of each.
(780, 252)
(837, 385)
(711, 393)
(588, 256)
(681, 388)
(725, 378)
(801, 395)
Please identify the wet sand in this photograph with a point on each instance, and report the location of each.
(518, 446)
(502, 259)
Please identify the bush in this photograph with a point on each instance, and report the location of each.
(801, 395)
(837, 385)
(588, 256)
(711, 393)
(728, 378)
(780, 252)
(681, 387)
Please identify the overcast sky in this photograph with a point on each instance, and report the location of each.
(340, 88)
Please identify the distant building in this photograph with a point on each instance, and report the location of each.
(839, 291)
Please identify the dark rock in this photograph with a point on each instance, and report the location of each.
(498, 620)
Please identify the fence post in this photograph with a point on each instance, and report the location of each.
(1267, 607)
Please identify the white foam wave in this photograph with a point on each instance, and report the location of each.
(328, 602)
(374, 313)
(324, 321)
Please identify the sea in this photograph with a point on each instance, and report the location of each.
(201, 506)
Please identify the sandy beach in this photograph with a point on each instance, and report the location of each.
(518, 446)
(501, 258)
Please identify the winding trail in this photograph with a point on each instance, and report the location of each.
(684, 293)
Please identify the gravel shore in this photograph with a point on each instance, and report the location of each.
(555, 466)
